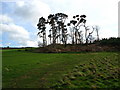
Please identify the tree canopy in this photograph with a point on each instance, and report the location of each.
(61, 32)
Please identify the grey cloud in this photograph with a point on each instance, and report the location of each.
(31, 10)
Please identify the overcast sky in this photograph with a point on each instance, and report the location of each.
(20, 17)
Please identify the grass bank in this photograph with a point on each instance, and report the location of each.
(43, 70)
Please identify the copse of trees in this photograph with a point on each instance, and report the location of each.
(112, 41)
(76, 30)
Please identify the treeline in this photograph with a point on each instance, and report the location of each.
(61, 32)
(110, 41)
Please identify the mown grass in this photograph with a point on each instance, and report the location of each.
(43, 70)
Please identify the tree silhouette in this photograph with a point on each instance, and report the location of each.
(58, 31)
(58, 28)
(62, 30)
(42, 30)
(76, 23)
(97, 30)
(53, 32)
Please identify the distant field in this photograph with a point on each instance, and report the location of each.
(57, 70)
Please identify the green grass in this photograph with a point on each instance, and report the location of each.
(96, 73)
(43, 70)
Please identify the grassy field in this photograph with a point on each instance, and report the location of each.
(22, 69)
